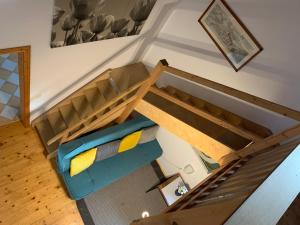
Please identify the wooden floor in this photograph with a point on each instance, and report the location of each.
(292, 214)
(30, 191)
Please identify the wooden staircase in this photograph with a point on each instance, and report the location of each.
(95, 105)
(215, 131)
(196, 113)
(112, 96)
(216, 198)
(221, 134)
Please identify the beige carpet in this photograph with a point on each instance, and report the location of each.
(125, 200)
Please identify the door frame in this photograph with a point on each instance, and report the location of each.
(24, 80)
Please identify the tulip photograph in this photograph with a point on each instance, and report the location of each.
(82, 21)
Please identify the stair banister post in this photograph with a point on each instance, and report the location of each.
(143, 90)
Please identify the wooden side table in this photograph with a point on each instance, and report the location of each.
(173, 189)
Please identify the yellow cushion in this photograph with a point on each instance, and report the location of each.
(82, 161)
(130, 141)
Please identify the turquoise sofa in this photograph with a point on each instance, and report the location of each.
(103, 173)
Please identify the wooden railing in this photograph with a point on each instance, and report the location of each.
(217, 197)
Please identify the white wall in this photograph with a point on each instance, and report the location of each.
(176, 155)
(55, 73)
(270, 201)
(273, 74)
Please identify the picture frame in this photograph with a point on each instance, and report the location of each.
(87, 21)
(169, 189)
(229, 34)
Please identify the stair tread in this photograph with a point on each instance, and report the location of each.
(219, 112)
(69, 115)
(127, 76)
(57, 122)
(94, 97)
(106, 89)
(82, 106)
(46, 133)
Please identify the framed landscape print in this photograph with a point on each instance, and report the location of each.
(230, 35)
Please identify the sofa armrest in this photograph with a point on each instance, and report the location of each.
(68, 150)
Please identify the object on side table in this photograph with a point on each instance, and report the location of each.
(173, 189)
(230, 35)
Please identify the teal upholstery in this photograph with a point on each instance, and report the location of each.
(103, 173)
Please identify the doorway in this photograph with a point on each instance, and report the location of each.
(15, 85)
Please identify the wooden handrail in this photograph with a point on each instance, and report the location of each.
(274, 107)
(223, 123)
(270, 141)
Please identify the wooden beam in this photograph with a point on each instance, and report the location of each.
(223, 123)
(270, 141)
(285, 111)
(196, 138)
(154, 75)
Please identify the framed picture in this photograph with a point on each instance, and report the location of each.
(230, 35)
(173, 189)
(77, 22)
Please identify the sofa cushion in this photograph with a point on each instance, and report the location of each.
(130, 141)
(82, 161)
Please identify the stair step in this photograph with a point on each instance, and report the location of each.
(214, 110)
(127, 76)
(69, 115)
(170, 90)
(46, 133)
(114, 85)
(106, 90)
(94, 97)
(218, 112)
(183, 96)
(198, 103)
(57, 122)
(233, 119)
(84, 108)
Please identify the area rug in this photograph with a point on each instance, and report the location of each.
(124, 200)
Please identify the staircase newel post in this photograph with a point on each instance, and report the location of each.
(143, 90)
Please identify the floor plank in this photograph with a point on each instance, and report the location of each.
(30, 190)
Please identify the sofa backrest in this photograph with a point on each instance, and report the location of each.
(68, 150)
